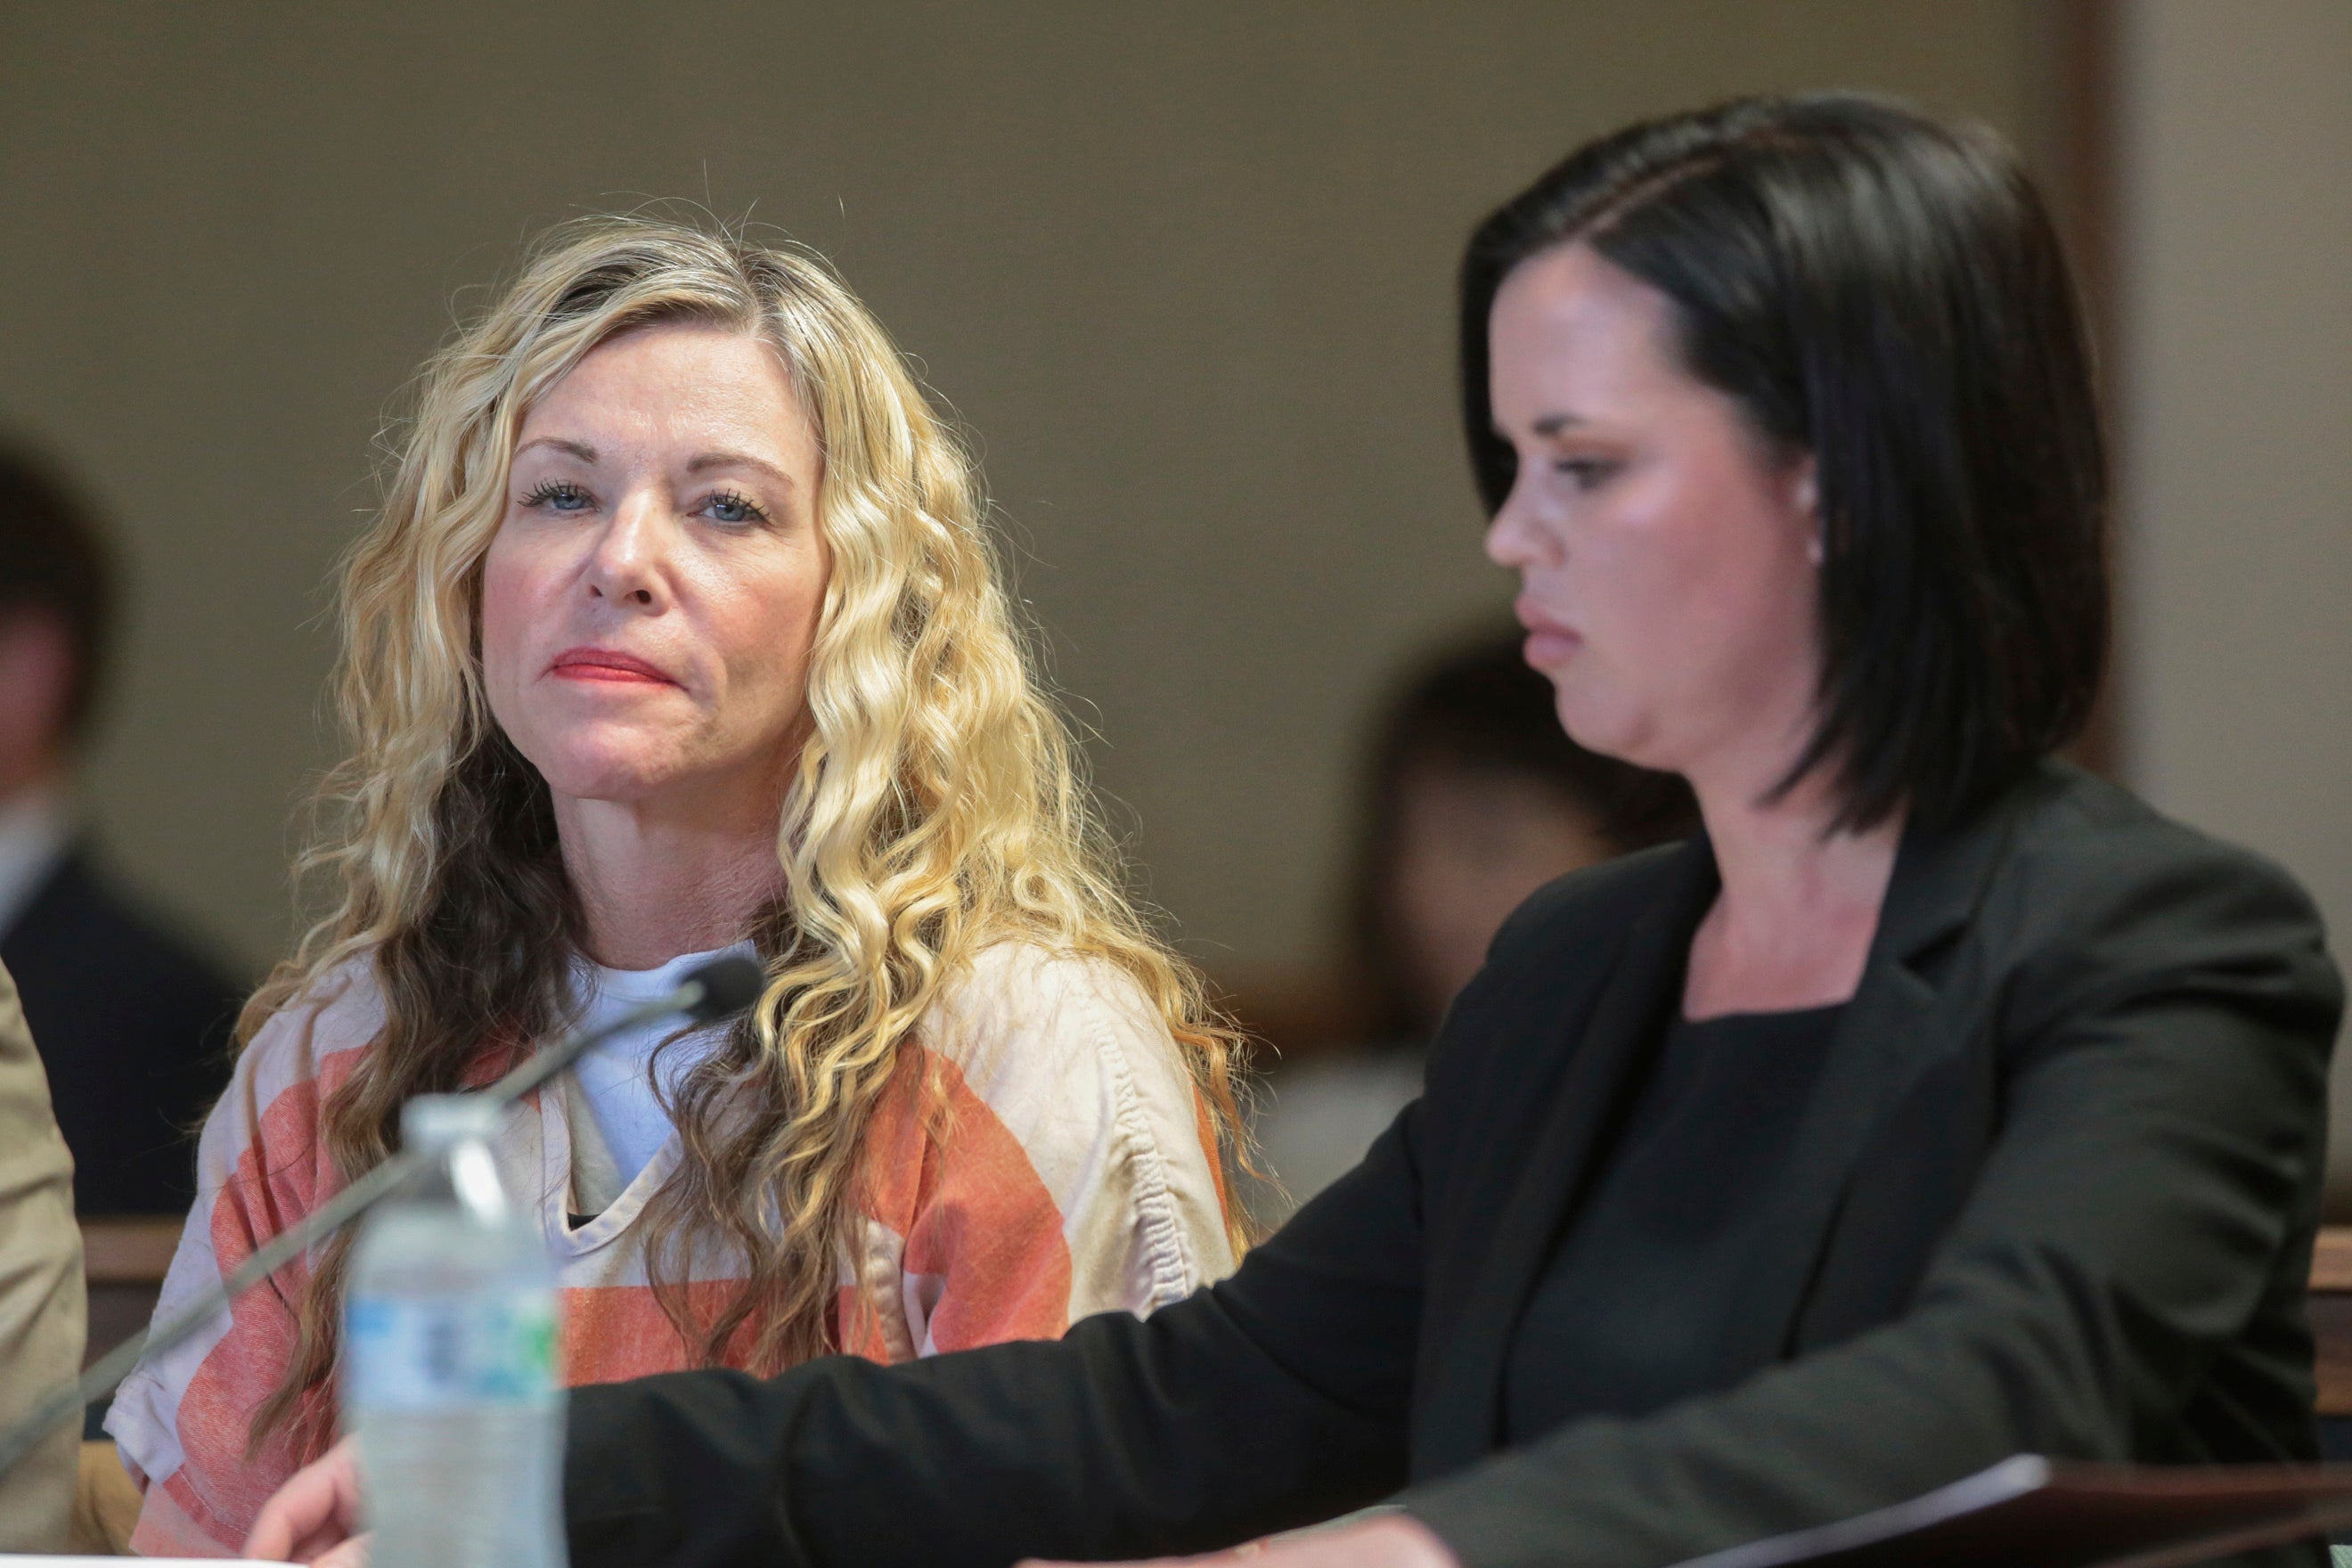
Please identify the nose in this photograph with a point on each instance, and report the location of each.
(629, 567)
(1516, 538)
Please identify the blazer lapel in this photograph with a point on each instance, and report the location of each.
(1462, 1410)
(1892, 1028)
(1887, 1030)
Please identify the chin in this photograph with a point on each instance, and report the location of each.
(620, 786)
(1611, 728)
(615, 768)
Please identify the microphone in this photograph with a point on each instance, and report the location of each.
(716, 990)
(729, 985)
(710, 992)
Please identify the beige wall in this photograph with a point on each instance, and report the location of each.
(1185, 270)
(2236, 158)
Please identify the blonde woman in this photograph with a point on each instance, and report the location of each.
(679, 632)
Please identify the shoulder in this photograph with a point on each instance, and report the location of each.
(2069, 831)
(2085, 856)
(2097, 896)
(1597, 901)
(1565, 939)
(83, 896)
(1586, 914)
(1068, 1056)
(266, 1128)
(1019, 1014)
(1069, 1053)
(307, 1046)
(82, 933)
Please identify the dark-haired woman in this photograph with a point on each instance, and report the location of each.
(1938, 1102)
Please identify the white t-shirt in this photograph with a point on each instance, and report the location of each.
(614, 1083)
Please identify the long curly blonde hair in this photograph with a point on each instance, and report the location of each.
(937, 807)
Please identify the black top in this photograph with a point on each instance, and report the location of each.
(2055, 1192)
(132, 1025)
(1636, 1305)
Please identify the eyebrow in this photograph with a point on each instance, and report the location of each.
(580, 450)
(703, 461)
(1553, 423)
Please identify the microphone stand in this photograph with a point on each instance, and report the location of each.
(718, 989)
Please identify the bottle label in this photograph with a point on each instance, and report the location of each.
(429, 1352)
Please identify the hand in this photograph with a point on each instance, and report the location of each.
(1393, 1541)
(315, 1516)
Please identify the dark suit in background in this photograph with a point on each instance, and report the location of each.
(134, 1027)
(2055, 1190)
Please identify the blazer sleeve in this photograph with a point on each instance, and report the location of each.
(2164, 1071)
(41, 1307)
(1277, 1397)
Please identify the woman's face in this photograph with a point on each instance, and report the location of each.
(1666, 561)
(649, 601)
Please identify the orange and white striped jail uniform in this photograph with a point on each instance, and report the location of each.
(1073, 1172)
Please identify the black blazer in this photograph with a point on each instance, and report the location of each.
(2055, 1193)
(132, 1025)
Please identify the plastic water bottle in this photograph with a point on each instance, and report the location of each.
(449, 1360)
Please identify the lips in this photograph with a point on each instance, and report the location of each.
(606, 664)
(1549, 641)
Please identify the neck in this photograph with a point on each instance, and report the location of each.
(1799, 906)
(656, 884)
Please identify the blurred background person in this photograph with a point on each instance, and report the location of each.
(40, 1288)
(1471, 799)
(133, 1019)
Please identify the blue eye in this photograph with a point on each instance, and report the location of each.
(559, 496)
(730, 506)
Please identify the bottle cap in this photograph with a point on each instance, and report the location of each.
(437, 1121)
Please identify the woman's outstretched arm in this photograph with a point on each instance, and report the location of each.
(1274, 1399)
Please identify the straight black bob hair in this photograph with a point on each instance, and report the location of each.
(1887, 294)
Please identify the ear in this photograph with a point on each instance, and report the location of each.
(1805, 500)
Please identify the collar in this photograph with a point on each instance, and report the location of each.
(1893, 1025)
(36, 831)
(1939, 877)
